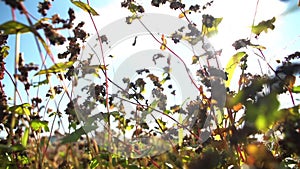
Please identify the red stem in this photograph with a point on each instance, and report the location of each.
(238, 149)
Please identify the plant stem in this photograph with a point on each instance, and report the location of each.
(106, 87)
(17, 55)
(13, 119)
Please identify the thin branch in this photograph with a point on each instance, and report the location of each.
(254, 17)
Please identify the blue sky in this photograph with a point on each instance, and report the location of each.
(28, 46)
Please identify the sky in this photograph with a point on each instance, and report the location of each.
(237, 19)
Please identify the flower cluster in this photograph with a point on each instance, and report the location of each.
(43, 7)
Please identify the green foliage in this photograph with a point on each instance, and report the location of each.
(4, 51)
(210, 25)
(73, 137)
(37, 125)
(94, 163)
(57, 68)
(296, 89)
(232, 65)
(85, 7)
(264, 26)
(263, 112)
(25, 137)
(22, 109)
(14, 27)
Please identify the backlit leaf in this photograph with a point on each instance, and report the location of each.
(37, 125)
(210, 31)
(24, 138)
(22, 109)
(264, 26)
(264, 112)
(4, 51)
(85, 7)
(130, 19)
(261, 122)
(232, 64)
(94, 163)
(195, 59)
(59, 67)
(14, 27)
(182, 15)
(73, 137)
(43, 82)
(129, 127)
(296, 89)
(162, 125)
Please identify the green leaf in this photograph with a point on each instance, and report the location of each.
(59, 67)
(296, 89)
(14, 27)
(90, 120)
(261, 122)
(264, 26)
(18, 147)
(210, 31)
(129, 127)
(94, 163)
(85, 7)
(73, 137)
(43, 82)
(37, 125)
(130, 19)
(167, 112)
(22, 109)
(4, 51)
(24, 138)
(195, 59)
(232, 64)
(133, 8)
(24, 160)
(264, 112)
(162, 125)
(132, 166)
